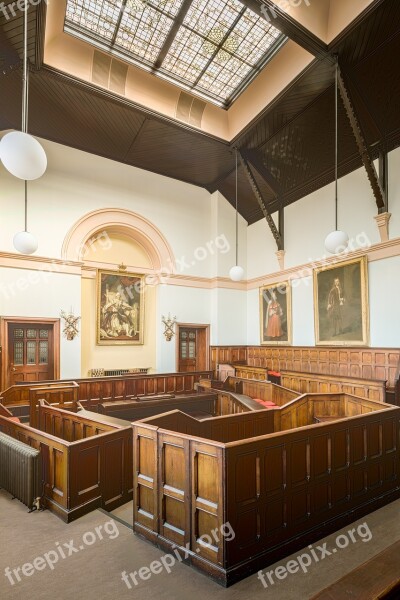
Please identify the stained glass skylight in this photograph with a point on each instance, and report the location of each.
(212, 48)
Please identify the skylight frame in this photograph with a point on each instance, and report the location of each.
(173, 26)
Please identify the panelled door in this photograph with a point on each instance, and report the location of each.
(187, 349)
(30, 352)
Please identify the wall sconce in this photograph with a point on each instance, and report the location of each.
(169, 327)
(70, 330)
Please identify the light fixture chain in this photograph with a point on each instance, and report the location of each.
(237, 218)
(26, 205)
(336, 143)
(25, 75)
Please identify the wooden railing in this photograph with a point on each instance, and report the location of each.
(263, 390)
(275, 488)
(92, 390)
(319, 383)
(138, 409)
(247, 372)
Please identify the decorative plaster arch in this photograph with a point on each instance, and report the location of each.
(119, 220)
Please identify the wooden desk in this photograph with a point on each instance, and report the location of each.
(379, 577)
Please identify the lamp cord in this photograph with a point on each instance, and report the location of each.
(25, 75)
(26, 205)
(237, 220)
(25, 101)
(336, 144)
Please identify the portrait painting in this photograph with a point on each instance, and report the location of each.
(276, 314)
(341, 304)
(120, 308)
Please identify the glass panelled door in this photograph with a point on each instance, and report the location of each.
(187, 349)
(30, 352)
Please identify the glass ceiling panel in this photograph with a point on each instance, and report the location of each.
(211, 47)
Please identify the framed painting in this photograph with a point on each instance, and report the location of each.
(276, 314)
(120, 308)
(341, 310)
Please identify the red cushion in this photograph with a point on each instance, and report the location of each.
(266, 403)
(14, 419)
(274, 373)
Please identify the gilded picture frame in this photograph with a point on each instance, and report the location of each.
(341, 308)
(276, 314)
(120, 308)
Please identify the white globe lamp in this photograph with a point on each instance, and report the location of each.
(236, 273)
(336, 242)
(25, 242)
(22, 155)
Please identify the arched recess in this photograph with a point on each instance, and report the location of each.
(119, 220)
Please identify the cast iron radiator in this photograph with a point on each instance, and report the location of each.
(20, 470)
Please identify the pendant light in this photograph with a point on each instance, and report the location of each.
(20, 153)
(337, 241)
(237, 272)
(24, 241)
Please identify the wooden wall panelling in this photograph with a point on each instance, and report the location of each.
(364, 363)
(320, 383)
(91, 391)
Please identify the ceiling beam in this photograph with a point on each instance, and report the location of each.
(172, 33)
(362, 145)
(257, 193)
(256, 159)
(290, 27)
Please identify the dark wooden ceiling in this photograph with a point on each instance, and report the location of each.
(291, 145)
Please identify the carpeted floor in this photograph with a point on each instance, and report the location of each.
(93, 572)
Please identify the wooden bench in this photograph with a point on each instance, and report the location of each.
(319, 383)
(375, 579)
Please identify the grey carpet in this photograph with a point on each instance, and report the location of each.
(94, 573)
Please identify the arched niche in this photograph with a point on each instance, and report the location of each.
(122, 221)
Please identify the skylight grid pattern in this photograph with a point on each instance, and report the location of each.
(204, 15)
(143, 33)
(216, 49)
(99, 17)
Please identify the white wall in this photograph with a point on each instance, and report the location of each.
(307, 223)
(189, 305)
(26, 293)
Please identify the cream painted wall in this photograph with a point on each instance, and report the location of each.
(308, 222)
(189, 305)
(28, 293)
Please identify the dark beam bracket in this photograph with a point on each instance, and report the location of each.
(384, 177)
(260, 200)
(362, 146)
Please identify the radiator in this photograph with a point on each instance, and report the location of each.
(20, 470)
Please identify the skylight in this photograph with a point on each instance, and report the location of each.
(212, 48)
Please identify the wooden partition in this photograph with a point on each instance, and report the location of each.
(63, 395)
(276, 491)
(85, 464)
(363, 363)
(199, 404)
(263, 390)
(248, 372)
(319, 383)
(93, 390)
